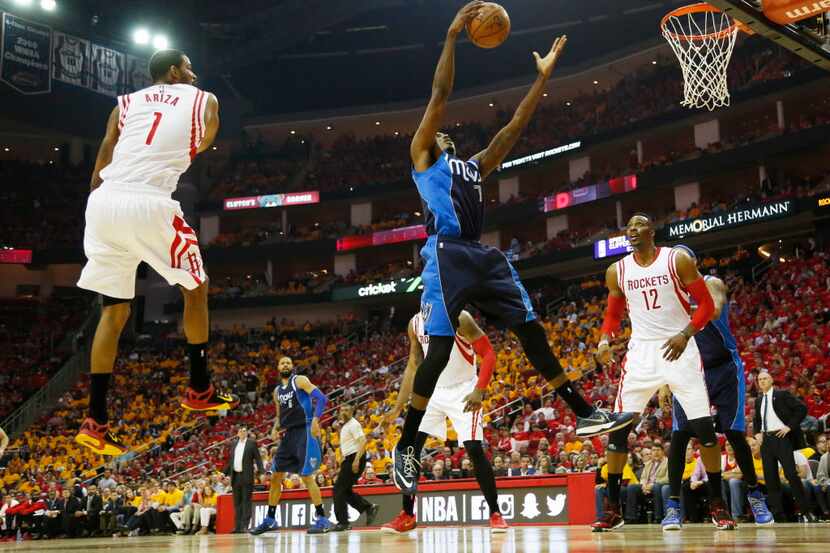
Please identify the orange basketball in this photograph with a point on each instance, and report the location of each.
(490, 27)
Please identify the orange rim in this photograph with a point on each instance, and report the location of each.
(701, 7)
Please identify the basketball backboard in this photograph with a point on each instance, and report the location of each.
(808, 38)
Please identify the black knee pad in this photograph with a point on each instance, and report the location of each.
(433, 365)
(535, 345)
(107, 300)
(704, 429)
(618, 440)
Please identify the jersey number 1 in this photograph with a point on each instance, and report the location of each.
(652, 293)
(154, 128)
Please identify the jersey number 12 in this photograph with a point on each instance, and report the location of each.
(652, 294)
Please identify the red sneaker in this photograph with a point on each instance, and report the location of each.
(401, 523)
(209, 400)
(609, 520)
(99, 439)
(720, 516)
(497, 524)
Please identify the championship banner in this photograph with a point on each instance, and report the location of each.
(138, 75)
(108, 70)
(753, 214)
(26, 55)
(542, 500)
(73, 59)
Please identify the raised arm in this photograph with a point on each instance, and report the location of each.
(104, 157)
(490, 158)
(211, 122)
(420, 150)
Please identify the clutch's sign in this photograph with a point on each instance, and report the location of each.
(735, 218)
(272, 200)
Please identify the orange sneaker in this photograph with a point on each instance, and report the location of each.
(400, 524)
(497, 523)
(209, 400)
(99, 439)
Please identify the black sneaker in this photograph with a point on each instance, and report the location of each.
(372, 514)
(406, 470)
(601, 421)
(341, 527)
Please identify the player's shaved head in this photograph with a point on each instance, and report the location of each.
(640, 231)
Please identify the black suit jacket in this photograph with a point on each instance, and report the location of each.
(72, 505)
(789, 409)
(249, 457)
(96, 504)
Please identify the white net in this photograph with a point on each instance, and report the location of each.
(703, 42)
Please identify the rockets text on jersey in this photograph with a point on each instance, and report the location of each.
(161, 128)
(461, 366)
(658, 303)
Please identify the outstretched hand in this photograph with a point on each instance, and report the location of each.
(473, 400)
(464, 16)
(546, 65)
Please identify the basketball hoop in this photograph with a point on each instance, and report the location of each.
(703, 38)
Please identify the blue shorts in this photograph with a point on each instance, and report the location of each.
(726, 386)
(298, 452)
(459, 272)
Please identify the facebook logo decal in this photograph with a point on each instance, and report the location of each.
(480, 511)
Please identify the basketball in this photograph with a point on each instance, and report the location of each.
(490, 27)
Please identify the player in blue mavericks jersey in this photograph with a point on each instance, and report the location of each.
(725, 382)
(459, 270)
(299, 451)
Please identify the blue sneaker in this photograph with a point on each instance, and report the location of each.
(759, 508)
(321, 526)
(672, 519)
(266, 525)
(406, 470)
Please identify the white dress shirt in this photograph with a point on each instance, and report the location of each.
(238, 452)
(769, 419)
(351, 436)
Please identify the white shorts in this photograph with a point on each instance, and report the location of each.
(124, 228)
(644, 371)
(447, 402)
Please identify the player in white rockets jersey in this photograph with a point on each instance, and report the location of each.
(151, 138)
(656, 285)
(458, 396)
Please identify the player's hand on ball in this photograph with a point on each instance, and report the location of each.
(473, 400)
(546, 65)
(315, 428)
(464, 16)
(674, 347)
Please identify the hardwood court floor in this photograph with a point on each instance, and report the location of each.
(559, 539)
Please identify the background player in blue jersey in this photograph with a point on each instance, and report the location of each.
(725, 383)
(299, 451)
(458, 269)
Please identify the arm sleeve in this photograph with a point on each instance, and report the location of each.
(613, 314)
(484, 350)
(319, 402)
(705, 303)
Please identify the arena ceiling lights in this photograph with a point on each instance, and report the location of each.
(142, 36)
(45, 5)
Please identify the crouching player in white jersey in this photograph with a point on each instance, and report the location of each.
(458, 396)
(657, 285)
(151, 138)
